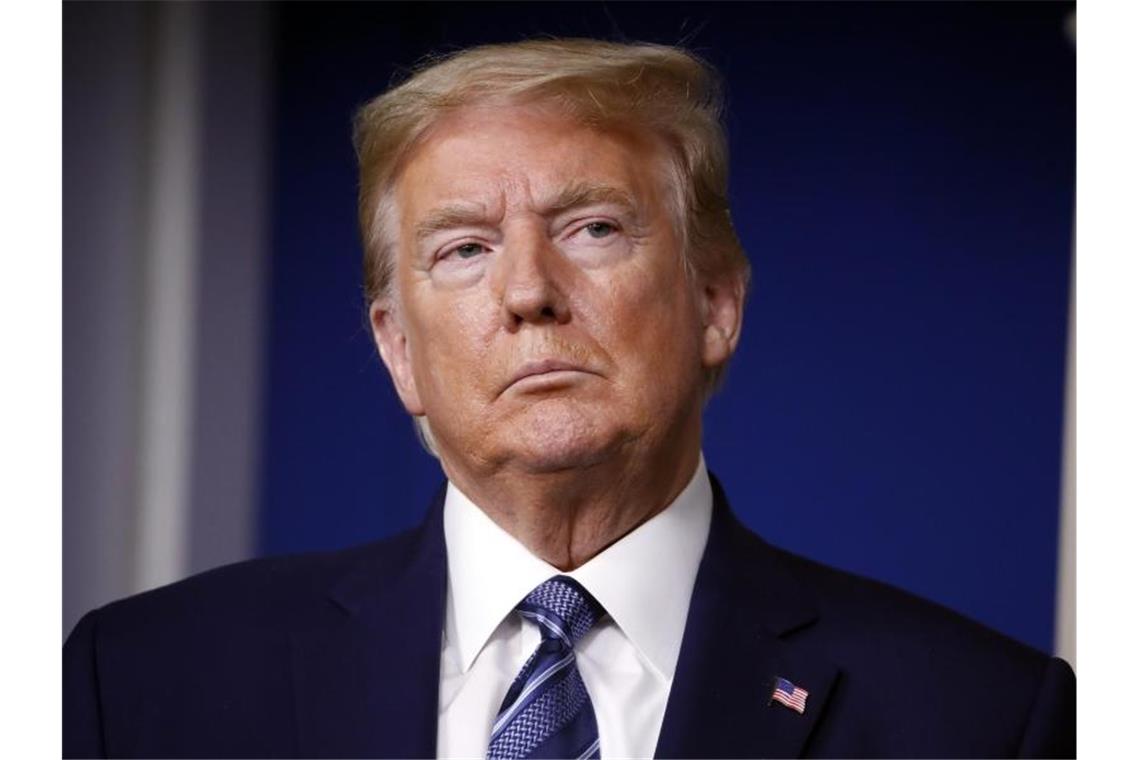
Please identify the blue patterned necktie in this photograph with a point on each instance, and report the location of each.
(547, 712)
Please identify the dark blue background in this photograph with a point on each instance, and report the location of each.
(903, 182)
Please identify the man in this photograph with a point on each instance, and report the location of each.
(555, 288)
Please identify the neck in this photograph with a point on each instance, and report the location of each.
(567, 517)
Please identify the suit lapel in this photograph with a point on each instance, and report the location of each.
(366, 685)
(743, 630)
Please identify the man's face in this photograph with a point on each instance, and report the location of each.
(542, 318)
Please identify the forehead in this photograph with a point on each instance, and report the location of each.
(511, 156)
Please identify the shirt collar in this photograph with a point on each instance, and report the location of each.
(644, 580)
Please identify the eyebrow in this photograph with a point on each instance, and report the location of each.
(449, 217)
(580, 194)
(572, 196)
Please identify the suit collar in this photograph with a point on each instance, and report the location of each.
(367, 682)
(409, 562)
(747, 625)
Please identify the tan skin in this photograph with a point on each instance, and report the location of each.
(543, 322)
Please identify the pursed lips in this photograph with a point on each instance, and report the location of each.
(545, 366)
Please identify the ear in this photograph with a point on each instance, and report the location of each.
(392, 342)
(722, 311)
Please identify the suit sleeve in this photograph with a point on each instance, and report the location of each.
(1051, 730)
(82, 721)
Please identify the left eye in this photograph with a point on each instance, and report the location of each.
(599, 230)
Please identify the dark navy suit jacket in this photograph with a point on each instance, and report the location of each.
(338, 655)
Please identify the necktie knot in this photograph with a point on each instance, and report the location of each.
(562, 609)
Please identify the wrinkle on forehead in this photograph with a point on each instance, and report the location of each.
(625, 167)
(563, 199)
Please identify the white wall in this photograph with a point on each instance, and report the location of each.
(165, 147)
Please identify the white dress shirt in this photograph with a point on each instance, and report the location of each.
(627, 660)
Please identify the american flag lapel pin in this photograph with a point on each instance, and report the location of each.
(789, 695)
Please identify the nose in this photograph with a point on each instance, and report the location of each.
(532, 282)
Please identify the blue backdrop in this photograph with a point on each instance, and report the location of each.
(903, 182)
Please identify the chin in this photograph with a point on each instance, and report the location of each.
(553, 437)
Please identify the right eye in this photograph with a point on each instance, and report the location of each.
(465, 251)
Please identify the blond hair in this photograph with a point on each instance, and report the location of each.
(665, 90)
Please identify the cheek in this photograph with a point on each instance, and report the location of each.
(652, 323)
(453, 351)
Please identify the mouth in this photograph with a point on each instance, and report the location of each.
(546, 371)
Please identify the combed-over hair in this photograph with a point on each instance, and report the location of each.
(665, 90)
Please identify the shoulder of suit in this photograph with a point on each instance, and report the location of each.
(858, 612)
(932, 680)
(271, 594)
